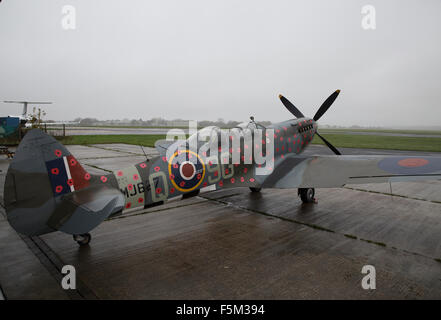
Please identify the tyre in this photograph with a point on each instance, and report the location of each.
(307, 194)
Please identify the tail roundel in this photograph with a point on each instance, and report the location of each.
(47, 189)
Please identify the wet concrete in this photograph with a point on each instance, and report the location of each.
(232, 244)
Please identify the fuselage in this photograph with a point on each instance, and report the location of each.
(155, 180)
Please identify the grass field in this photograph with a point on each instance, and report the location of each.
(339, 140)
(382, 142)
(422, 132)
(136, 139)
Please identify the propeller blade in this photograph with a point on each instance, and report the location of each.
(330, 146)
(291, 108)
(325, 106)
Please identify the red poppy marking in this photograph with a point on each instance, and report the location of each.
(242, 158)
(232, 180)
(140, 200)
(231, 150)
(55, 171)
(238, 150)
(119, 173)
(251, 179)
(87, 176)
(263, 141)
(221, 184)
(157, 168)
(58, 189)
(245, 170)
(158, 190)
(413, 162)
(130, 186)
(277, 149)
(277, 130)
(289, 149)
(199, 176)
(216, 173)
(172, 190)
(70, 182)
(164, 159)
(226, 171)
(143, 165)
(182, 183)
(257, 146)
(283, 147)
(204, 153)
(210, 163)
(135, 177)
(281, 138)
(242, 179)
(128, 205)
(246, 146)
(103, 179)
(275, 137)
(284, 128)
(172, 176)
(282, 156)
(204, 184)
(58, 153)
(175, 166)
(289, 139)
(73, 162)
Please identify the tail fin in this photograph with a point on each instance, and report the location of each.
(47, 189)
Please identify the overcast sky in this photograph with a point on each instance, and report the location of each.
(210, 59)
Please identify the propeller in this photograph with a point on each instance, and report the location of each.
(291, 108)
(320, 112)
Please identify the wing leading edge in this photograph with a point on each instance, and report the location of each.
(336, 171)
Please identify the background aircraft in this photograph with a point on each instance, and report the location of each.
(47, 189)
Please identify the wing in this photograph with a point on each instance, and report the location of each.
(336, 171)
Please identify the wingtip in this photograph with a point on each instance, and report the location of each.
(280, 96)
(338, 90)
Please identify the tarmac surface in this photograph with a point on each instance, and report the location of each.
(234, 244)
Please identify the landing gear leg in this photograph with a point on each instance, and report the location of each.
(255, 189)
(307, 194)
(82, 239)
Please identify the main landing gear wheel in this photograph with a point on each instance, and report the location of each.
(307, 194)
(255, 189)
(82, 239)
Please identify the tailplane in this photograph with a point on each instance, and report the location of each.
(47, 189)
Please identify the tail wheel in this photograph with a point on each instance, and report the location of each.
(82, 239)
(307, 194)
(255, 189)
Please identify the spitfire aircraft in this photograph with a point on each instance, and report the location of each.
(47, 189)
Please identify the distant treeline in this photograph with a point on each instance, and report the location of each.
(158, 122)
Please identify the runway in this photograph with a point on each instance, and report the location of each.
(233, 244)
(73, 131)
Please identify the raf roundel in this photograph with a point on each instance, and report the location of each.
(186, 170)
